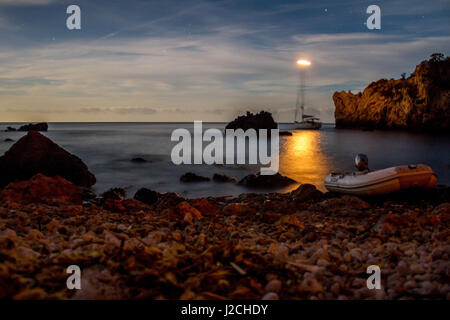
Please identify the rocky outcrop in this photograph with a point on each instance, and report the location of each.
(114, 194)
(139, 160)
(420, 102)
(147, 196)
(35, 153)
(306, 192)
(42, 189)
(266, 181)
(262, 120)
(223, 178)
(192, 177)
(43, 126)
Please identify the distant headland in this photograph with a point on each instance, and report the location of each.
(420, 102)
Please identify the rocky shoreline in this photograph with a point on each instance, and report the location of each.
(300, 245)
(304, 244)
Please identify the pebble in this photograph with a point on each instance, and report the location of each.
(403, 267)
(322, 262)
(335, 289)
(311, 285)
(411, 284)
(273, 286)
(417, 268)
(270, 296)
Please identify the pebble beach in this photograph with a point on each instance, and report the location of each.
(304, 244)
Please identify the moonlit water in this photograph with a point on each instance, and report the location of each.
(307, 156)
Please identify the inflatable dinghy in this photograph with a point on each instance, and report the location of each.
(382, 181)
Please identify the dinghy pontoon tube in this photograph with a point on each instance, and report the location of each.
(382, 181)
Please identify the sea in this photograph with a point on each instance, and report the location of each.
(307, 156)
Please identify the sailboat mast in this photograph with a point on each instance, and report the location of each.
(302, 91)
(299, 105)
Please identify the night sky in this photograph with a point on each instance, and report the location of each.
(188, 60)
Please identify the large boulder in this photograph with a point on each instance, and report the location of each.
(35, 153)
(420, 102)
(306, 192)
(262, 120)
(266, 181)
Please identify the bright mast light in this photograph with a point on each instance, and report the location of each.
(303, 62)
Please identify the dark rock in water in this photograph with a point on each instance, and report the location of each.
(262, 120)
(43, 126)
(223, 178)
(266, 181)
(420, 102)
(139, 160)
(9, 140)
(147, 196)
(192, 177)
(306, 192)
(35, 153)
(285, 133)
(114, 194)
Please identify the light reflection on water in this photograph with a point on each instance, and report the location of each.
(302, 158)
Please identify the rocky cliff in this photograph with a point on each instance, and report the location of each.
(420, 102)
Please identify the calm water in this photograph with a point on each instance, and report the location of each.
(307, 156)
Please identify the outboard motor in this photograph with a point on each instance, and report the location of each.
(361, 162)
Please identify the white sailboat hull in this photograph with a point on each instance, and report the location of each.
(307, 125)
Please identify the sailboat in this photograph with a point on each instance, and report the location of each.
(307, 121)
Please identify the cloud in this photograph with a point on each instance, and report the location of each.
(3, 22)
(27, 82)
(25, 111)
(26, 2)
(223, 75)
(120, 110)
(223, 67)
